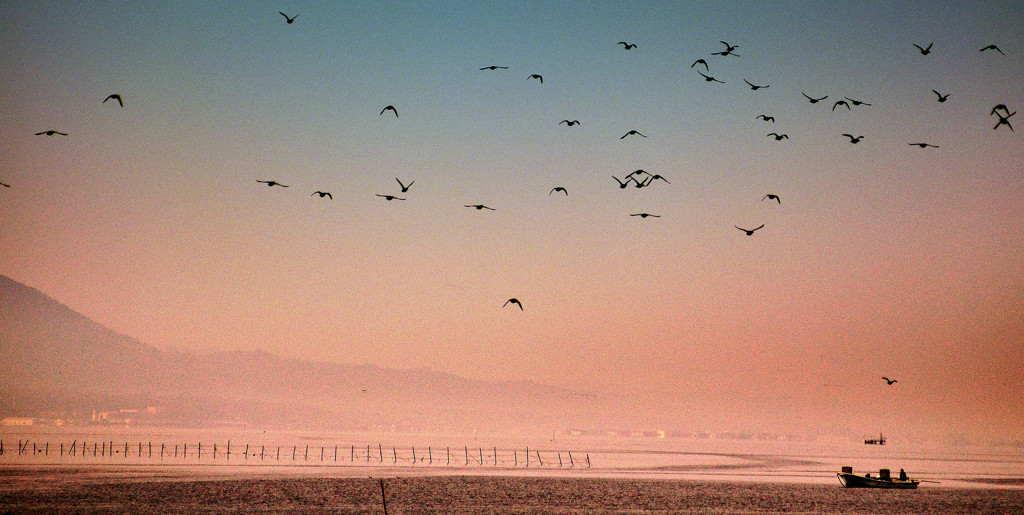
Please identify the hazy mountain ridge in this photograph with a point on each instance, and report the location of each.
(55, 359)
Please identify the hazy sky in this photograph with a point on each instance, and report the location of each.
(882, 258)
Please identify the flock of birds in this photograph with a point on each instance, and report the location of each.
(641, 178)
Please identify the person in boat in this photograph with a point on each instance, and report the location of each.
(903, 475)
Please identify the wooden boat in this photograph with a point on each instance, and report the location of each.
(876, 441)
(850, 480)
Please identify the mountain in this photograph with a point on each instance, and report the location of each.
(57, 362)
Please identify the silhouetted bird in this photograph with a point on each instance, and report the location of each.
(765, 118)
(627, 46)
(388, 197)
(622, 185)
(645, 215)
(728, 47)
(272, 183)
(389, 108)
(813, 100)
(493, 67)
(659, 177)
(998, 107)
(114, 96)
(535, 76)
(636, 172)
(755, 87)
(514, 301)
(750, 232)
(478, 207)
(708, 78)
(631, 132)
(51, 133)
(777, 136)
(569, 123)
(1004, 120)
(289, 20)
(924, 145)
(558, 188)
(323, 194)
(839, 103)
(924, 51)
(701, 61)
(645, 183)
(857, 102)
(772, 196)
(889, 381)
(941, 97)
(405, 187)
(854, 139)
(992, 47)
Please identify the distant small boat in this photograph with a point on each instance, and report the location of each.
(850, 480)
(876, 441)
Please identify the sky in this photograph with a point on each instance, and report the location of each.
(882, 258)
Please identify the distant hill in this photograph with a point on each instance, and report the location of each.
(57, 362)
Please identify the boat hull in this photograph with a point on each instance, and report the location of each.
(855, 481)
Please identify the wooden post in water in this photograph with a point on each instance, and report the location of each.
(430, 456)
(61, 448)
(306, 456)
(380, 451)
(383, 497)
(47, 452)
(367, 453)
(162, 451)
(214, 451)
(246, 451)
(394, 454)
(199, 454)
(559, 459)
(481, 449)
(495, 456)
(540, 462)
(321, 453)
(227, 453)
(588, 460)
(467, 455)
(151, 448)
(527, 457)
(293, 452)
(262, 448)
(571, 464)
(515, 458)
(278, 453)
(335, 453)
(103, 451)
(448, 453)
(353, 455)
(140, 448)
(414, 455)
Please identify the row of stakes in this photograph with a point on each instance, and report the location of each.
(105, 448)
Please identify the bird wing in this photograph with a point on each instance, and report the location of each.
(758, 227)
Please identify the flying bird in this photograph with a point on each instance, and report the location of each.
(645, 183)
(750, 232)
(924, 145)
(389, 108)
(755, 87)
(1004, 120)
(405, 187)
(569, 123)
(924, 51)
(514, 301)
(627, 46)
(51, 133)
(771, 196)
(389, 197)
(536, 76)
(813, 100)
(645, 215)
(889, 381)
(631, 132)
(998, 107)
(493, 67)
(992, 47)
(322, 194)
(701, 61)
(657, 177)
(765, 118)
(777, 136)
(622, 185)
(559, 188)
(478, 207)
(942, 98)
(839, 103)
(289, 20)
(728, 47)
(271, 184)
(708, 78)
(853, 139)
(114, 96)
(857, 102)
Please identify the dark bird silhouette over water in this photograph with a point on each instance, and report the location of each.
(272, 183)
(389, 197)
(813, 100)
(514, 301)
(645, 215)
(322, 194)
(926, 50)
(857, 102)
(478, 207)
(765, 118)
(631, 132)
(854, 139)
(924, 145)
(626, 46)
(708, 78)
(289, 20)
(772, 196)
(755, 87)
(494, 67)
(942, 98)
(114, 96)
(992, 47)
(51, 133)
(839, 103)
(405, 187)
(889, 381)
(777, 136)
(569, 123)
(1004, 120)
(559, 188)
(750, 232)
(536, 76)
(390, 108)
